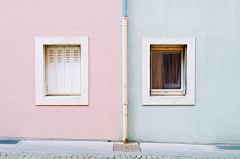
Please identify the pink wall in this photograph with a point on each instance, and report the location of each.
(20, 22)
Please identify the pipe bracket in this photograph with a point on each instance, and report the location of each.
(124, 102)
(125, 114)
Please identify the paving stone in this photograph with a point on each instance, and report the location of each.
(110, 156)
(4, 155)
(57, 156)
(34, 154)
(69, 156)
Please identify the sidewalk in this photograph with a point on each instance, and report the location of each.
(99, 149)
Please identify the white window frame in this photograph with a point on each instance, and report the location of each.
(40, 71)
(189, 97)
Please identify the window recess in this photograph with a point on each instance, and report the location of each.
(63, 70)
(168, 70)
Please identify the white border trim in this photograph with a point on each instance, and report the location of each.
(41, 98)
(189, 98)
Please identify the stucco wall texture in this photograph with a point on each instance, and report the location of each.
(215, 116)
(20, 22)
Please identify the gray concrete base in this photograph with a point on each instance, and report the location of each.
(98, 148)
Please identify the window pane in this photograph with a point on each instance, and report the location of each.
(166, 69)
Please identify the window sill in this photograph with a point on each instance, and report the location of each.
(62, 100)
(168, 100)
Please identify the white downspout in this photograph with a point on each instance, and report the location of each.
(124, 70)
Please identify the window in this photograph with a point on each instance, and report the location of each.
(62, 70)
(168, 70)
(61, 65)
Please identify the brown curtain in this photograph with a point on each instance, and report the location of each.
(166, 69)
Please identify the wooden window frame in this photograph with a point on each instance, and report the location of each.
(168, 92)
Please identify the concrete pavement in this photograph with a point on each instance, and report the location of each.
(100, 149)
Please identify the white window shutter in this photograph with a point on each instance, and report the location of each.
(76, 70)
(51, 70)
(68, 71)
(63, 70)
(72, 70)
(60, 70)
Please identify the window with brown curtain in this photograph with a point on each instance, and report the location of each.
(166, 69)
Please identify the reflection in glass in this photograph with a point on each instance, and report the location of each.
(166, 69)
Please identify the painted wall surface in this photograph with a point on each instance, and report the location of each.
(215, 116)
(20, 22)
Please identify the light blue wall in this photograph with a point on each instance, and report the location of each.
(215, 118)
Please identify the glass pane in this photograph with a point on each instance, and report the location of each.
(166, 69)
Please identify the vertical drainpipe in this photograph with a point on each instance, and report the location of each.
(124, 69)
